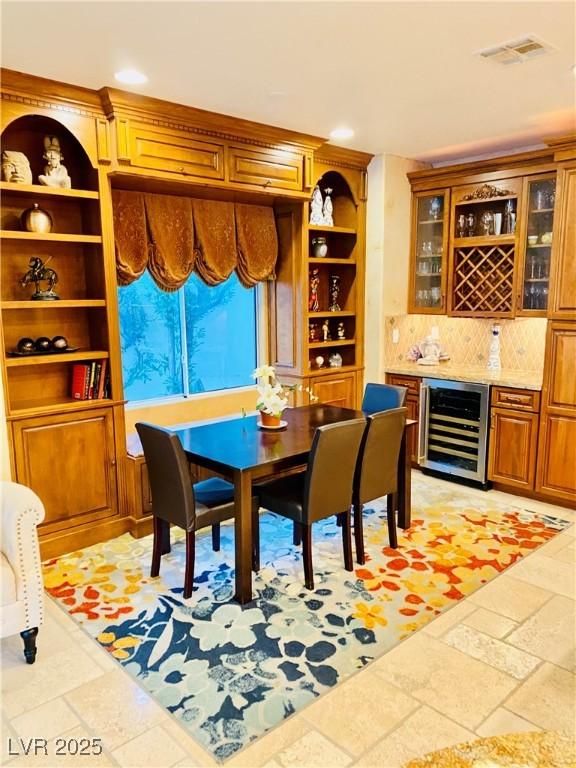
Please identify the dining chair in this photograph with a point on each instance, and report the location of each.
(377, 471)
(322, 490)
(382, 397)
(176, 501)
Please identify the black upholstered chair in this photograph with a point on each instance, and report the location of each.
(377, 471)
(176, 501)
(324, 489)
(382, 397)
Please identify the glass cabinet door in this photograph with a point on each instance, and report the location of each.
(539, 198)
(429, 243)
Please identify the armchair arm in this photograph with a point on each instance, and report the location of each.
(21, 513)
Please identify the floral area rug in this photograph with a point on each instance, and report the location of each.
(230, 673)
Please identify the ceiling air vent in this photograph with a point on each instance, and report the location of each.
(516, 51)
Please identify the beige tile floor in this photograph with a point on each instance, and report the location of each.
(500, 661)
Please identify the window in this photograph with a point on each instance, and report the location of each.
(199, 339)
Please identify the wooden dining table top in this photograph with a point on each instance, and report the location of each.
(241, 444)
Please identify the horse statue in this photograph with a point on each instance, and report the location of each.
(37, 273)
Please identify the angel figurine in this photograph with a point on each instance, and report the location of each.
(316, 216)
(327, 218)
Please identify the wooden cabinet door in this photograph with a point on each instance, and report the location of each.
(175, 152)
(69, 460)
(335, 390)
(429, 252)
(266, 168)
(559, 389)
(556, 475)
(563, 276)
(512, 451)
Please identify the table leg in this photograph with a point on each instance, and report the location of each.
(243, 535)
(404, 483)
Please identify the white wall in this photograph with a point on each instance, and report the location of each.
(387, 251)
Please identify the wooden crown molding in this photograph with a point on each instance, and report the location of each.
(343, 157)
(503, 163)
(49, 94)
(118, 103)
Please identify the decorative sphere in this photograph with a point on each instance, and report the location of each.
(319, 361)
(59, 342)
(43, 344)
(25, 345)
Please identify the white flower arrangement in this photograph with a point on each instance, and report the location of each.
(273, 396)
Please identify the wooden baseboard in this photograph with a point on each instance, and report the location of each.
(533, 495)
(62, 543)
(141, 527)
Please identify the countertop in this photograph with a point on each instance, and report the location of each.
(480, 375)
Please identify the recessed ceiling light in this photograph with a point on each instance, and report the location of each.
(341, 133)
(131, 77)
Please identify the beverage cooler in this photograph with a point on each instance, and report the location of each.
(453, 431)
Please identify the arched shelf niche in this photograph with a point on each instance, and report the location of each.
(26, 134)
(344, 205)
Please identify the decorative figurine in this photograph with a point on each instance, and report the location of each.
(316, 216)
(36, 274)
(319, 247)
(340, 331)
(470, 224)
(312, 331)
(327, 218)
(313, 305)
(36, 219)
(335, 360)
(319, 361)
(326, 335)
(15, 167)
(494, 355)
(55, 174)
(334, 291)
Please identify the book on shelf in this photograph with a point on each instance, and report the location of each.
(90, 381)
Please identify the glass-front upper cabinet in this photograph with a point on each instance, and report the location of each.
(536, 244)
(429, 252)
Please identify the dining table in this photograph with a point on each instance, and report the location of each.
(242, 451)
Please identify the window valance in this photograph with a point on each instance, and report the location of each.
(173, 236)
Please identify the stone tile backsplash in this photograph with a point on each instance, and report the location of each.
(467, 340)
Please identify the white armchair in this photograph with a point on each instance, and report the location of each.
(22, 603)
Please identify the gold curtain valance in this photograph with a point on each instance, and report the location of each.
(173, 236)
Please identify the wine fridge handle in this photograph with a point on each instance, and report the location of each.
(423, 424)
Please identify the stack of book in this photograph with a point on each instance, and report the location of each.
(90, 381)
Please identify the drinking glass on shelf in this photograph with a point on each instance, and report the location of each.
(544, 300)
(461, 225)
(423, 266)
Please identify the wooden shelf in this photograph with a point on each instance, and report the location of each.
(336, 343)
(39, 406)
(58, 357)
(61, 304)
(428, 274)
(537, 280)
(54, 237)
(327, 313)
(539, 245)
(324, 260)
(484, 240)
(338, 230)
(327, 370)
(431, 221)
(37, 189)
(541, 210)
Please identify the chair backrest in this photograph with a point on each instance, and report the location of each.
(169, 475)
(377, 469)
(382, 397)
(331, 465)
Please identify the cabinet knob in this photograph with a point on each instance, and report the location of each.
(113, 462)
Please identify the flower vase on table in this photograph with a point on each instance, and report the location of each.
(273, 397)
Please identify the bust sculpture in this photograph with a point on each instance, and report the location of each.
(15, 167)
(55, 174)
